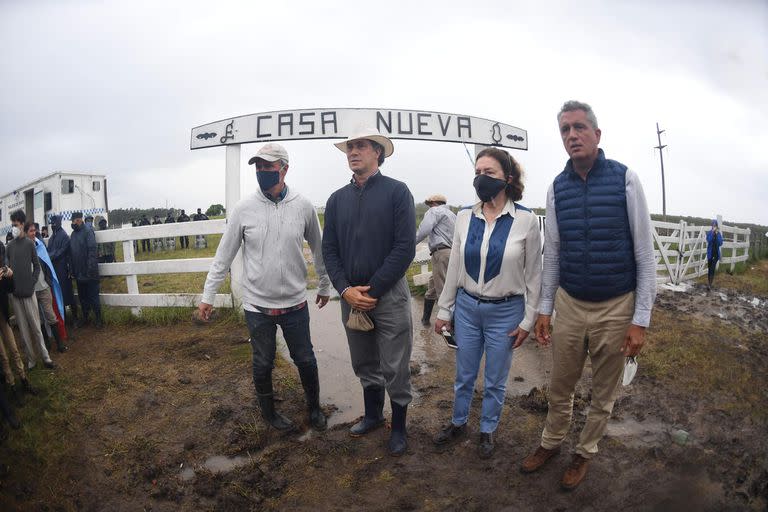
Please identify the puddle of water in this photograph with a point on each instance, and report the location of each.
(635, 433)
(221, 464)
(339, 386)
(215, 464)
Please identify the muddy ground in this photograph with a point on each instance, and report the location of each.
(163, 418)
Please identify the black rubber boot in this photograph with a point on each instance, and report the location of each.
(60, 346)
(311, 383)
(267, 403)
(373, 397)
(15, 395)
(428, 305)
(28, 389)
(97, 320)
(7, 411)
(46, 339)
(82, 320)
(398, 440)
(72, 316)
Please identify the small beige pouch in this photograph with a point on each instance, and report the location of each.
(359, 320)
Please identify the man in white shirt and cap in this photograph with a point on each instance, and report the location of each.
(270, 226)
(438, 224)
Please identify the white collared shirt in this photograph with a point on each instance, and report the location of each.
(520, 270)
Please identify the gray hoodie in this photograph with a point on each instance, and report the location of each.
(272, 236)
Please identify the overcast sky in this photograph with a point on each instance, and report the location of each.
(115, 87)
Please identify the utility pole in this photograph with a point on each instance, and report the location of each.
(660, 147)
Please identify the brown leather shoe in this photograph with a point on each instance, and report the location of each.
(575, 472)
(537, 459)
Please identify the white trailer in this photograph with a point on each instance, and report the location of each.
(59, 193)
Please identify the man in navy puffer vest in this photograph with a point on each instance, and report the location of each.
(600, 277)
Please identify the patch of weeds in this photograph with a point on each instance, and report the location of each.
(143, 448)
(45, 419)
(241, 352)
(344, 481)
(286, 380)
(119, 316)
(699, 355)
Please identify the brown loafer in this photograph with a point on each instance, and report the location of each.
(537, 459)
(575, 472)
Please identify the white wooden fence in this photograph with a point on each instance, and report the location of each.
(680, 250)
(130, 268)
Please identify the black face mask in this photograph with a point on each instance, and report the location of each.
(267, 179)
(487, 187)
(75, 227)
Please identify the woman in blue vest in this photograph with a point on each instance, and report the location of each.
(492, 289)
(714, 241)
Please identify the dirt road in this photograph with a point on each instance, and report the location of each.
(162, 418)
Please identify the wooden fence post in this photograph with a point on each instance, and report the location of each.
(232, 189)
(131, 281)
(680, 246)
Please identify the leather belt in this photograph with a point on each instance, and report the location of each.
(491, 301)
(439, 248)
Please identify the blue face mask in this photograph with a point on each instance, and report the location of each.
(267, 179)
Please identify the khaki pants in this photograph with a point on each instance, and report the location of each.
(28, 321)
(45, 300)
(8, 347)
(597, 330)
(439, 268)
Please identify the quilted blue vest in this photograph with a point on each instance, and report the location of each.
(597, 260)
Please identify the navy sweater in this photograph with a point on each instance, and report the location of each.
(369, 237)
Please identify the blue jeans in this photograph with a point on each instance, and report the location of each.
(483, 327)
(263, 330)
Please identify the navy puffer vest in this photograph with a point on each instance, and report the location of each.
(597, 260)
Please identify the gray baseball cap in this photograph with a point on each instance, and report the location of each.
(271, 153)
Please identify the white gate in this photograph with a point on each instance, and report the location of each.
(681, 249)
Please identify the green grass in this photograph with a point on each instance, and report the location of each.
(46, 420)
(114, 316)
(748, 277)
(705, 358)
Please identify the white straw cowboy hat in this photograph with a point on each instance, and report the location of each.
(436, 198)
(370, 134)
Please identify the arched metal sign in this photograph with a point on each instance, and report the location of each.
(338, 123)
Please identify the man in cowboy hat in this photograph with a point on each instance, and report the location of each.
(271, 226)
(438, 224)
(368, 244)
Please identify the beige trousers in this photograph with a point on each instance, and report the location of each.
(28, 321)
(439, 268)
(8, 347)
(45, 299)
(586, 329)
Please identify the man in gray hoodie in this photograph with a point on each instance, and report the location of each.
(270, 226)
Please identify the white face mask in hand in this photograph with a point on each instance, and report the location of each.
(630, 369)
